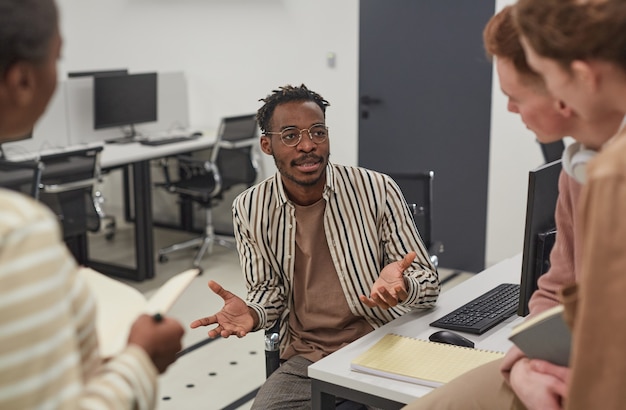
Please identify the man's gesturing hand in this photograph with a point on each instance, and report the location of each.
(390, 289)
(235, 317)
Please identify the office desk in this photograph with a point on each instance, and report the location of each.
(332, 377)
(136, 158)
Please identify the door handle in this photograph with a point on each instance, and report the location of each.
(367, 100)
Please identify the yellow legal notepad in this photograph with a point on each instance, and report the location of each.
(420, 361)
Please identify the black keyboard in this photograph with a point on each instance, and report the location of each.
(484, 312)
(166, 140)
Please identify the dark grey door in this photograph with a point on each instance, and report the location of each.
(425, 96)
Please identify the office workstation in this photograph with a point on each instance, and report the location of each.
(133, 120)
(150, 123)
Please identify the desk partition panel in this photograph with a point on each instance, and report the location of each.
(80, 113)
(50, 132)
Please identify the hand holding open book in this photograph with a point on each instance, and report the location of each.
(119, 305)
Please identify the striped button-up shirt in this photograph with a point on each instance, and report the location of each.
(367, 224)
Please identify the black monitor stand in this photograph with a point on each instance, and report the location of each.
(124, 139)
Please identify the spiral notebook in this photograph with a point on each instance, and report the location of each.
(420, 361)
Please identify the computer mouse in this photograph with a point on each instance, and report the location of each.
(451, 338)
(196, 134)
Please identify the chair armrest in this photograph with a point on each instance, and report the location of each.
(272, 349)
(434, 250)
(69, 186)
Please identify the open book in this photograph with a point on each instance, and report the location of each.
(420, 361)
(118, 305)
(545, 336)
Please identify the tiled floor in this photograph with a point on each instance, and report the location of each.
(221, 373)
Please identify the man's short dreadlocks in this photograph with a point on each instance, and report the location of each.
(285, 94)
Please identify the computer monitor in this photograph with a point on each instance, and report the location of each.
(124, 100)
(98, 73)
(540, 231)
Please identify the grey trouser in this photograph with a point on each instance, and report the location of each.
(289, 387)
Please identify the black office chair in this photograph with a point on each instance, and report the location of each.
(417, 188)
(205, 181)
(22, 176)
(67, 184)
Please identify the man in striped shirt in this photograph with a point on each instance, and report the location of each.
(49, 355)
(331, 251)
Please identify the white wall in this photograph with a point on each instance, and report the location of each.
(236, 51)
(513, 152)
(232, 51)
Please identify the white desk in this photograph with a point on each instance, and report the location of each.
(136, 158)
(332, 376)
(116, 155)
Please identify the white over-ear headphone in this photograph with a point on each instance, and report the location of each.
(575, 158)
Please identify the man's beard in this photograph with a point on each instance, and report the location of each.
(285, 172)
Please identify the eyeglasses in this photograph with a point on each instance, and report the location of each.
(292, 136)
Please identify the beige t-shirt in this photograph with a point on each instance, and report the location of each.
(320, 321)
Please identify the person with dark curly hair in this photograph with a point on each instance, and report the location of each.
(330, 251)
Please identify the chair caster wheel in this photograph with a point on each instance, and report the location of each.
(162, 258)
